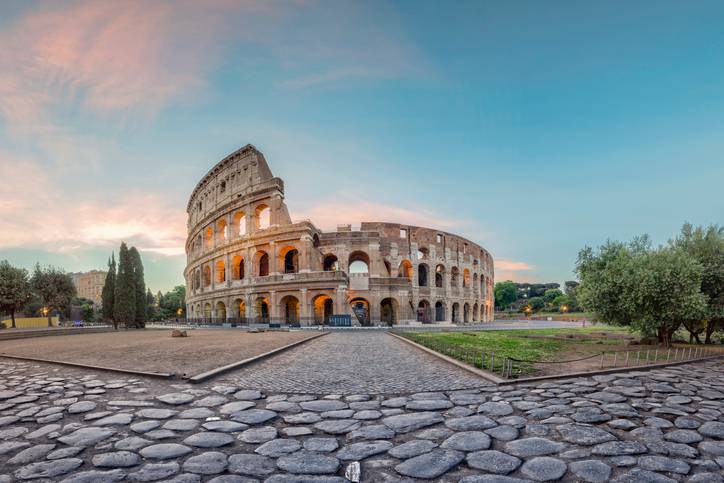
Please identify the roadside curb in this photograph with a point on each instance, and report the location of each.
(161, 375)
(236, 365)
(455, 362)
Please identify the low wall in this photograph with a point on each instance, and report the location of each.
(30, 322)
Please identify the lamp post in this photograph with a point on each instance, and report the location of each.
(564, 308)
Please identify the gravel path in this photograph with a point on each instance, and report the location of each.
(354, 363)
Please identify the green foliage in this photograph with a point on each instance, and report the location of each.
(53, 287)
(536, 304)
(109, 290)
(551, 294)
(562, 300)
(151, 306)
(139, 286)
(706, 245)
(14, 289)
(651, 290)
(124, 304)
(87, 313)
(505, 294)
(170, 303)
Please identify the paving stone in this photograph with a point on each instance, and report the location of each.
(29, 455)
(132, 443)
(535, 446)
(491, 479)
(467, 441)
(155, 471)
(304, 479)
(495, 408)
(404, 423)
(254, 416)
(119, 419)
(338, 426)
(544, 468)
(210, 401)
(306, 463)
(209, 439)
(584, 435)
(372, 431)
(67, 452)
(592, 471)
(258, 435)
(95, 476)
(637, 475)
(412, 448)
(296, 431)
(248, 395)
(686, 436)
(251, 464)
(302, 418)
(619, 448)
(87, 436)
(209, 463)
(236, 406)
(428, 404)
(176, 398)
(81, 407)
(117, 459)
(662, 463)
(712, 429)
(360, 451)
(323, 405)
(470, 423)
(430, 465)
(624, 424)
(156, 413)
(165, 451)
(180, 424)
(493, 461)
(47, 469)
(321, 445)
(43, 431)
(278, 447)
(503, 432)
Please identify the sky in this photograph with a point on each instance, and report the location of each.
(532, 128)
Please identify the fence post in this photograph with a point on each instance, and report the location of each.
(647, 356)
(656, 356)
(690, 349)
(482, 360)
(615, 356)
(638, 358)
(668, 354)
(676, 353)
(492, 362)
(627, 353)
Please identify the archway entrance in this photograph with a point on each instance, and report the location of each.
(323, 309)
(423, 312)
(466, 313)
(361, 310)
(456, 313)
(439, 312)
(388, 311)
(290, 309)
(262, 310)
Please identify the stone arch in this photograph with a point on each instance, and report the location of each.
(405, 270)
(330, 263)
(220, 313)
(222, 229)
(220, 270)
(455, 277)
(475, 312)
(207, 311)
(197, 280)
(456, 312)
(361, 310)
(423, 312)
(439, 311)
(208, 238)
(423, 253)
(238, 223)
(323, 308)
(388, 311)
(466, 312)
(262, 217)
(388, 268)
(238, 308)
(422, 275)
(289, 259)
(359, 262)
(289, 306)
(261, 309)
(466, 278)
(262, 263)
(315, 241)
(440, 276)
(237, 267)
(207, 276)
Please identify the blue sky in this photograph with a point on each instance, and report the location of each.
(533, 128)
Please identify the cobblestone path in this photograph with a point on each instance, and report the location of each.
(61, 424)
(352, 363)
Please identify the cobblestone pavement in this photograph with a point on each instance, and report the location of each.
(351, 363)
(70, 425)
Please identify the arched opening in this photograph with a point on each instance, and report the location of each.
(239, 222)
(359, 262)
(220, 271)
(290, 309)
(222, 229)
(466, 278)
(475, 312)
(290, 257)
(198, 313)
(405, 270)
(239, 310)
(262, 264)
(323, 309)
(361, 310)
(263, 217)
(439, 276)
(439, 311)
(466, 313)
(422, 275)
(207, 312)
(207, 275)
(388, 311)
(237, 267)
(315, 241)
(456, 312)
(209, 238)
(422, 253)
(261, 310)
(330, 263)
(220, 311)
(197, 280)
(423, 312)
(455, 277)
(475, 281)
(388, 268)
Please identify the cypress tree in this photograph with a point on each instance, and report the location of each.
(139, 285)
(124, 304)
(109, 291)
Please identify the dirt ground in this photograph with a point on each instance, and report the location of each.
(154, 350)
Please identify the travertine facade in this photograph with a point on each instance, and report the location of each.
(247, 260)
(89, 284)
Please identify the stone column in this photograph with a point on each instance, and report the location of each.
(273, 262)
(304, 305)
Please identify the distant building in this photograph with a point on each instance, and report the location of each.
(89, 285)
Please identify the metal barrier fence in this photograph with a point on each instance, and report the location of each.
(513, 368)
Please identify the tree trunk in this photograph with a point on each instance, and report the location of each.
(12, 317)
(50, 322)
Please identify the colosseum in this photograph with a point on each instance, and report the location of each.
(247, 262)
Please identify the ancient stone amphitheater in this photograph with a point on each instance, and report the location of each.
(247, 262)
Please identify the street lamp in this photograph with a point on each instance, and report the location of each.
(564, 308)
